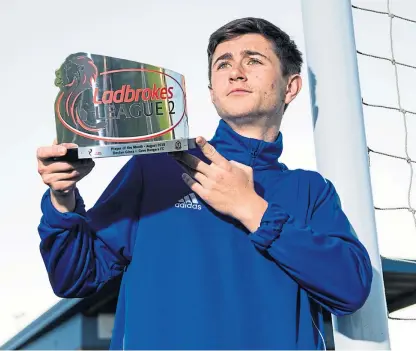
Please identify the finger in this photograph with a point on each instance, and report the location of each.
(57, 167)
(50, 167)
(55, 180)
(212, 154)
(67, 165)
(198, 176)
(43, 153)
(193, 162)
(194, 185)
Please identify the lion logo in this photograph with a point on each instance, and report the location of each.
(77, 74)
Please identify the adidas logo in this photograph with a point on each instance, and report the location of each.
(189, 201)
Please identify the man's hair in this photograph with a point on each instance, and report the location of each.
(285, 48)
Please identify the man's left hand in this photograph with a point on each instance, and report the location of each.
(227, 186)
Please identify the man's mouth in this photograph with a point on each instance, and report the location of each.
(239, 91)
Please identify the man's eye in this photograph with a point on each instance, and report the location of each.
(253, 61)
(222, 65)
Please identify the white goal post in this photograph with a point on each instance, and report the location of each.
(341, 153)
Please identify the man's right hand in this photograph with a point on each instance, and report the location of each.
(61, 176)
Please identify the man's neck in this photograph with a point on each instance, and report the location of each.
(261, 128)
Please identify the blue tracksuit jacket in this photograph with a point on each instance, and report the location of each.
(195, 279)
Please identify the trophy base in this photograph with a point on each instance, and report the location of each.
(131, 149)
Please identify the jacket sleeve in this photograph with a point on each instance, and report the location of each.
(83, 250)
(323, 256)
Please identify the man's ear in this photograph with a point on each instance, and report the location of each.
(294, 85)
(211, 93)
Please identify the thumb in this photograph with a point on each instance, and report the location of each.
(66, 145)
(69, 145)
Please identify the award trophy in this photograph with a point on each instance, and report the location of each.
(114, 107)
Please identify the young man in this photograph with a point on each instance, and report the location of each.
(253, 264)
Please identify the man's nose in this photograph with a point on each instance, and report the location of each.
(237, 73)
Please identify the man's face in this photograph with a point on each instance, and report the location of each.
(246, 78)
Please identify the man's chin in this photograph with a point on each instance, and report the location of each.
(239, 115)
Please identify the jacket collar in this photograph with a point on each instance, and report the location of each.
(255, 153)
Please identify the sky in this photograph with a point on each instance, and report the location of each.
(38, 36)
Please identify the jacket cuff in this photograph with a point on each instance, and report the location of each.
(57, 219)
(271, 226)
